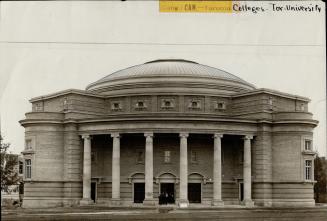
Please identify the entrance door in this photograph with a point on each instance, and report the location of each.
(167, 193)
(93, 191)
(139, 192)
(241, 191)
(194, 192)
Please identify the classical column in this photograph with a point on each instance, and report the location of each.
(149, 200)
(217, 199)
(86, 171)
(115, 167)
(247, 201)
(183, 199)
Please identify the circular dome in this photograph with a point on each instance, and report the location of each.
(170, 68)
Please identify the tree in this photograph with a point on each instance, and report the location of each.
(9, 162)
(320, 188)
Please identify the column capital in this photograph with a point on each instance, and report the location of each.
(183, 134)
(115, 135)
(247, 137)
(148, 134)
(216, 135)
(86, 136)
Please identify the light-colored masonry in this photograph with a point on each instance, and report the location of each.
(197, 133)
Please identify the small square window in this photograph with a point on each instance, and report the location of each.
(195, 104)
(116, 106)
(167, 104)
(140, 105)
(220, 105)
(307, 145)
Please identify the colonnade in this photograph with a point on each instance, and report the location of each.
(183, 168)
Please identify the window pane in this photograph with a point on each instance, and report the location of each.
(193, 156)
(308, 167)
(21, 167)
(28, 169)
(167, 156)
(28, 144)
(308, 145)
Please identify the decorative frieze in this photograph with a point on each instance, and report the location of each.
(141, 103)
(38, 107)
(194, 103)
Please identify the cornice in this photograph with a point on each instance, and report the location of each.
(66, 92)
(271, 92)
(163, 116)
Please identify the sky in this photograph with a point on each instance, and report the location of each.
(46, 47)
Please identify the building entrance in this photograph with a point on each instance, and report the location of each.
(194, 192)
(139, 192)
(241, 191)
(93, 191)
(167, 193)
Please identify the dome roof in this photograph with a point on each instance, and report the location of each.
(169, 67)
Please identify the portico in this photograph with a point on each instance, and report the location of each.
(183, 175)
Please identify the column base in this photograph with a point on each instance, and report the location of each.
(217, 203)
(248, 203)
(150, 202)
(115, 202)
(86, 201)
(183, 203)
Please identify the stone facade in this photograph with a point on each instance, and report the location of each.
(211, 136)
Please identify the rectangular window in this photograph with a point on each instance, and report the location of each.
(308, 170)
(307, 145)
(140, 156)
(93, 156)
(241, 157)
(222, 156)
(194, 157)
(28, 169)
(21, 167)
(28, 144)
(167, 156)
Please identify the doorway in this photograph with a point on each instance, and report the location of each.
(139, 192)
(93, 191)
(241, 191)
(194, 192)
(167, 193)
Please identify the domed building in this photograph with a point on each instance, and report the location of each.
(169, 132)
